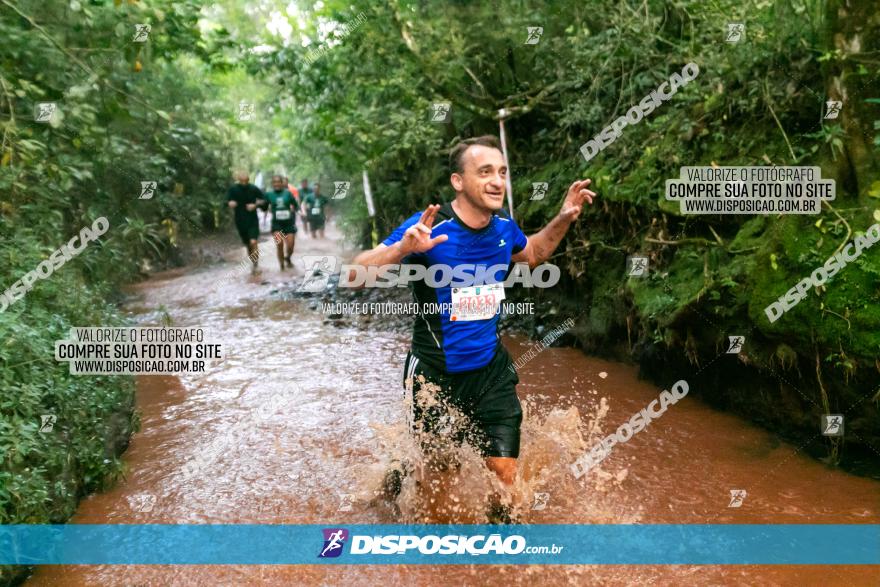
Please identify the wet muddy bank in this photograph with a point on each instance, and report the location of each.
(766, 383)
(73, 484)
(785, 402)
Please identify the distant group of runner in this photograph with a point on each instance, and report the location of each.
(284, 203)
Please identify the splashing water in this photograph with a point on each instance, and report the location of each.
(445, 480)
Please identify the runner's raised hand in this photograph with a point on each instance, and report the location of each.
(417, 238)
(575, 198)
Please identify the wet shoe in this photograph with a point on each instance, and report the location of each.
(500, 513)
(392, 484)
(393, 481)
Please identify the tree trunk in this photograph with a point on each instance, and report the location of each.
(853, 36)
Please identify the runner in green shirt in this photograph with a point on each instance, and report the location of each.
(315, 207)
(284, 208)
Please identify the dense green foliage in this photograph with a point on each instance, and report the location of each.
(126, 112)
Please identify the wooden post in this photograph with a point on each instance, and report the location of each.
(501, 114)
(371, 209)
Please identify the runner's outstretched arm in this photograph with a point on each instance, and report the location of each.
(416, 239)
(542, 244)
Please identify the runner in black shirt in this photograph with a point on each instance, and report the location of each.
(243, 197)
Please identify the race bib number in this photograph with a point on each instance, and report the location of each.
(478, 302)
(282, 214)
(316, 211)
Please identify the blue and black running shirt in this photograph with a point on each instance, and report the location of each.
(457, 346)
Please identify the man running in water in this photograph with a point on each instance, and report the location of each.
(465, 358)
(283, 207)
(316, 210)
(243, 197)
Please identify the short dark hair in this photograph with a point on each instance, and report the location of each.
(457, 153)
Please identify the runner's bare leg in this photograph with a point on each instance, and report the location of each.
(291, 239)
(279, 248)
(253, 253)
(504, 467)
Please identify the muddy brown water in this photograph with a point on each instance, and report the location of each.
(298, 424)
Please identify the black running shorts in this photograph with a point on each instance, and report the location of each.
(285, 226)
(487, 396)
(248, 230)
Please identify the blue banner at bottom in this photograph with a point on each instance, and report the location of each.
(664, 544)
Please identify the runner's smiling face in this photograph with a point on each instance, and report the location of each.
(482, 180)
